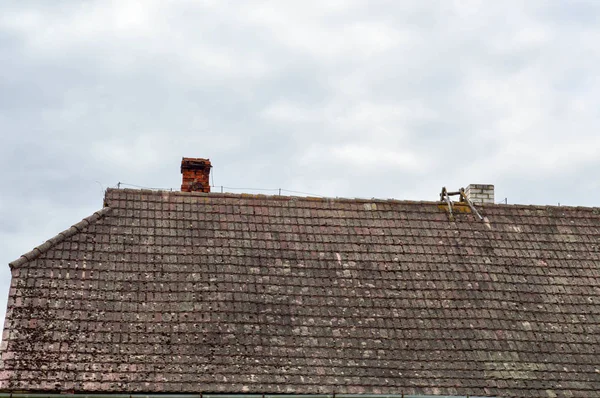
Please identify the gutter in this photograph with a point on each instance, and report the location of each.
(107, 395)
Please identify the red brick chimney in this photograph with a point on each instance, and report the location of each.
(196, 173)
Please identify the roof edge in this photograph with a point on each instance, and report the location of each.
(61, 236)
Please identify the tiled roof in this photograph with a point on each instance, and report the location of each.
(186, 292)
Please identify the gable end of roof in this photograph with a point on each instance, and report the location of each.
(44, 247)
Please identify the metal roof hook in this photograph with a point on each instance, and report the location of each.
(463, 195)
(444, 197)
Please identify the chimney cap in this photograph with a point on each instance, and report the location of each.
(195, 164)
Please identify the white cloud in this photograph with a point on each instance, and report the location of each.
(374, 158)
(123, 36)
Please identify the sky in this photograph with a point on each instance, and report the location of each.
(384, 99)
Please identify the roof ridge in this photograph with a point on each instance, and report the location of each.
(244, 195)
(58, 238)
(340, 199)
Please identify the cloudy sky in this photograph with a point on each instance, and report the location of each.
(388, 99)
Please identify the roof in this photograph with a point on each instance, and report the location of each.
(190, 292)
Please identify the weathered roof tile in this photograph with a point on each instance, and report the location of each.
(195, 292)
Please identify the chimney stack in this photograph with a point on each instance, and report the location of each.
(196, 173)
(480, 193)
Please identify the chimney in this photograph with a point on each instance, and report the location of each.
(196, 173)
(480, 193)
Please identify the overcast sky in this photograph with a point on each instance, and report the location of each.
(387, 99)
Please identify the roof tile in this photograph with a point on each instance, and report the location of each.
(194, 292)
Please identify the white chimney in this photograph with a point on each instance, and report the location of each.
(480, 193)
